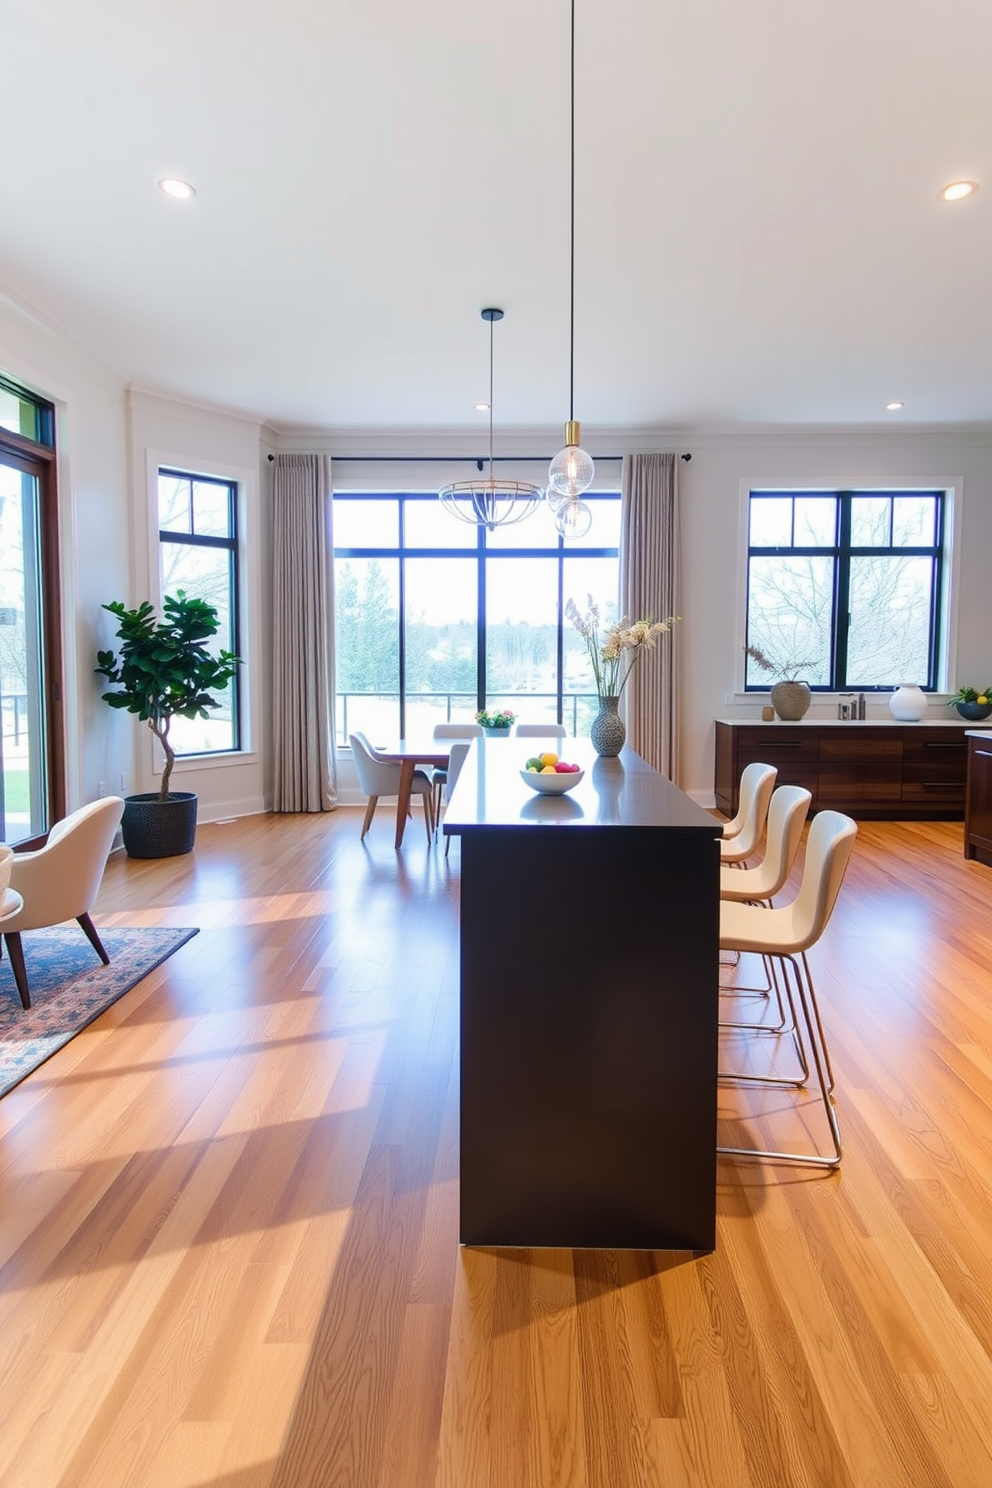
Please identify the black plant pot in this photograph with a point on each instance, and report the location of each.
(153, 828)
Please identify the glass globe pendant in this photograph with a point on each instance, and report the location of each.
(573, 519)
(571, 471)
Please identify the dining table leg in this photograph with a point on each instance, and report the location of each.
(407, 768)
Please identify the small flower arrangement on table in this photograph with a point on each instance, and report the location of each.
(501, 718)
(614, 658)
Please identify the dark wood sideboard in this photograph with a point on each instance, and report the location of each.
(978, 813)
(872, 770)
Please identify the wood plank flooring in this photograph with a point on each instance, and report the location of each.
(228, 1212)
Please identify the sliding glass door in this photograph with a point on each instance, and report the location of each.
(31, 795)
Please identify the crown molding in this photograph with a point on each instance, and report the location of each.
(149, 401)
(20, 309)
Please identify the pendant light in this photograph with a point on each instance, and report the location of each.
(488, 502)
(571, 471)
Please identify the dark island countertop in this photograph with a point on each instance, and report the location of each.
(623, 793)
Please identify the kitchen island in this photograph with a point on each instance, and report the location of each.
(589, 968)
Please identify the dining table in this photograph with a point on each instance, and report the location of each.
(408, 754)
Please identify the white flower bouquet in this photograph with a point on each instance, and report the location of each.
(615, 657)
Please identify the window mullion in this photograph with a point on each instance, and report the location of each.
(841, 618)
(401, 653)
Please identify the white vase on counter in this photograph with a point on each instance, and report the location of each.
(908, 703)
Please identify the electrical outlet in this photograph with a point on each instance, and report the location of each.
(122, 782)
(101, 787)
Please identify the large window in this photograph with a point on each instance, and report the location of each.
(845, 588)
(31, 728)
(198, 553)
(436, 619)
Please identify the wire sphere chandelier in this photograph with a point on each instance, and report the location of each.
(489, 502)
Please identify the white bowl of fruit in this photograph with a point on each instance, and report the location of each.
(550, 775)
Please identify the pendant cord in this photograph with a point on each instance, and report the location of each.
(491, 324)
(571, 308)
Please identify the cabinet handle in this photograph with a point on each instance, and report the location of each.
(985, 753)
(943, 785)
(945, 745)
(779, 744)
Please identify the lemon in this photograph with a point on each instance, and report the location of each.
(548, 759)
(982, 700)
(549, 770)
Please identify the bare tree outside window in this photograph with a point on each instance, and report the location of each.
(850, 579)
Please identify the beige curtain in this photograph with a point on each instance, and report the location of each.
(650, 585)
(305, 773)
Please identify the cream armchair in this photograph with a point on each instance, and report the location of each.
(61, 880)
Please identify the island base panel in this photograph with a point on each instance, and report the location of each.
(589, 1011)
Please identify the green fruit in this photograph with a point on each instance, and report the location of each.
(533, 763)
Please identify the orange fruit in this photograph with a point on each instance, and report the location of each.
(548, 759)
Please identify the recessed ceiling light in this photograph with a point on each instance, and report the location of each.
(482, 407)
(172, 186)
(893, 406)
(957, 191)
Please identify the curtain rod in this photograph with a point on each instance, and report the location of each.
(452, 459)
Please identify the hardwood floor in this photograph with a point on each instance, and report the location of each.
(228, 1239)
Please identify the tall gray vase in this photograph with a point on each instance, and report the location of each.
(608, 731)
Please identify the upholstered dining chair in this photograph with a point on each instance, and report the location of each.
(60, 881)
(784, 936)
(439, 775)
(759, 795)
(539, 731)
(456, 759)
(378, 777)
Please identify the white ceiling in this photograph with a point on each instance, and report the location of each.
(758, 232)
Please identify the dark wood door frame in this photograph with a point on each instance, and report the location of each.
(39, 461)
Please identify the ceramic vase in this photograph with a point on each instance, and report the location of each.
(608, 731)
(908, 703)
(791, 700)
(497, 733)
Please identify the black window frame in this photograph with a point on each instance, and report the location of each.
(559, 550)
(842, 551)
(231, 544)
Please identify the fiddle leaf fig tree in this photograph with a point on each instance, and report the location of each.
(164, 668)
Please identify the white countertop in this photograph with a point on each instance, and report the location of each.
(854, 723)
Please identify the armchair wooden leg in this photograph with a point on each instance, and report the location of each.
(369, 814)
(16, 954)
(93, 938)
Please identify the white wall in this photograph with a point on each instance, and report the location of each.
(724, 465)
(186, 437)
(93, 511)
(713, 486)
(109, 443)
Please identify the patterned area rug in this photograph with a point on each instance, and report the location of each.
(70, 987)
